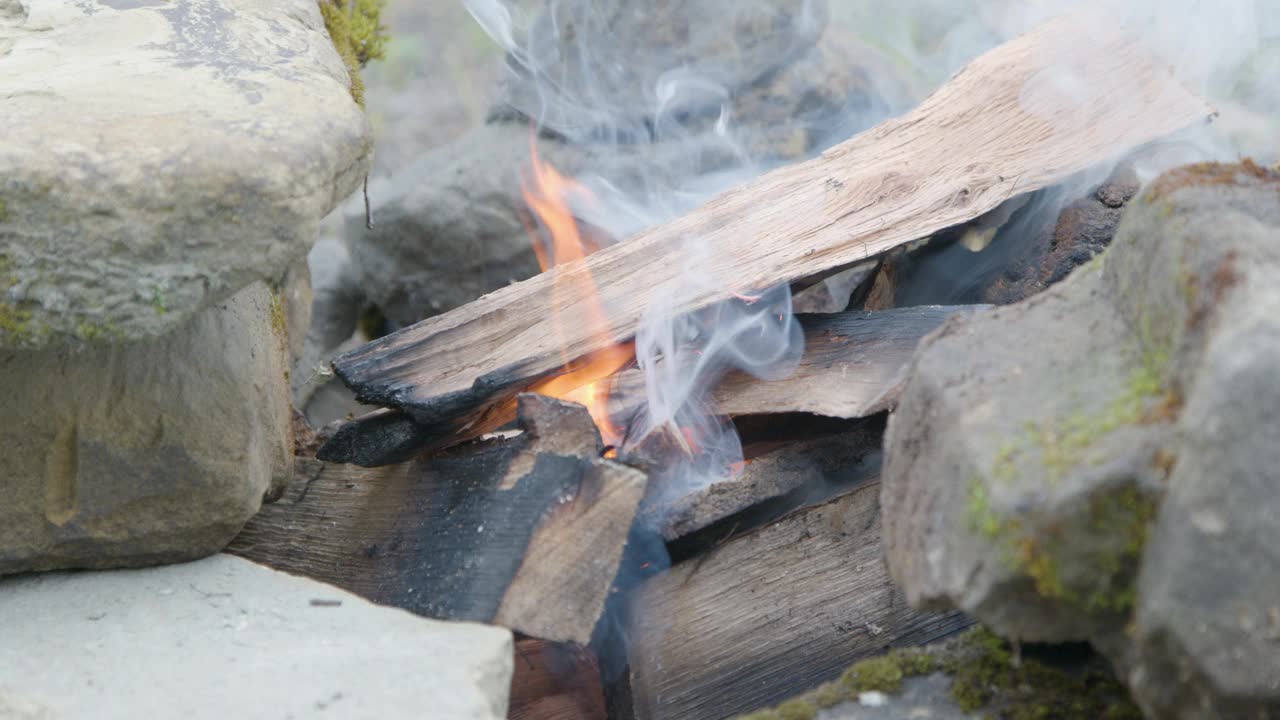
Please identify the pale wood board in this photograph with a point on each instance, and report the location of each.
(771, 614)
(1060, 99)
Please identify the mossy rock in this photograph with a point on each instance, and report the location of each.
(146, 180)
(358, 35)
(1098, 462)
(975, 675)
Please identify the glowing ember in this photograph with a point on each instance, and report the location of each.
(547, 194)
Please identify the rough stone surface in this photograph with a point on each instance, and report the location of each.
(152, 451)
(198, 144)
(920, 697)
(1207, 628)
(226, 638)
(1098, 462)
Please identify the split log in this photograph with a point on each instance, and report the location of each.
(771, 614)
(795, 474)
(525, 532)
(1058, 100)
(853, 366)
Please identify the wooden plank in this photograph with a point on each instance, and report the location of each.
(773, 613)
(524, 532)
(1060, 99)
(853, 366)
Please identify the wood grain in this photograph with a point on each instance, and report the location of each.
(507, 531)
(771, 614)
(853, 366)
(1025, 115)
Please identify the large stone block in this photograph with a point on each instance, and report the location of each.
(156, 157)
(1099, 462)
(152, 451)
(226, 638)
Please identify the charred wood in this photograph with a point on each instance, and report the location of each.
(523, 532)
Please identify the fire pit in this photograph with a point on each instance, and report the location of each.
(641, 459)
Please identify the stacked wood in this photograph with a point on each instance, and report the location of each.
(853, 366)
(771, 613)
(1006, 124)
(524, 532)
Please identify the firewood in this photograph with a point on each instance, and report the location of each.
(852, 367)
(522, 532)
(770, 614)
(1030, 113)
(777, 481)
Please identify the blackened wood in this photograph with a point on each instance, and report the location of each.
(770, 614)
(382, 437)
(1001, 126)
(493, 531)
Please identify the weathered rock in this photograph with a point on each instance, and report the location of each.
(1206, 634)
(446, 228)
(1037, 447)
(158, 157)
(226, 638)
(153, 451)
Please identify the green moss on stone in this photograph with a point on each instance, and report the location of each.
(985, 676)
(4, 210)
(279, 320)
(886, 672)
(15, 324)
(829, 695)
(358, 35)
(1124, 515)
(96, 332)
(797, 709)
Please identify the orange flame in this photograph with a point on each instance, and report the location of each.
(584, 380)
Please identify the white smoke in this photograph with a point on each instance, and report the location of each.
(587, 72)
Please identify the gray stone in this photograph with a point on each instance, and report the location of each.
(152, 451)
(1206, 634)
(1017, 434)
(1098, 462)
(920, 697)
(226, 638)
(158, 157)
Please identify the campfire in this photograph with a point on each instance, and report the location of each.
(643, 460)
